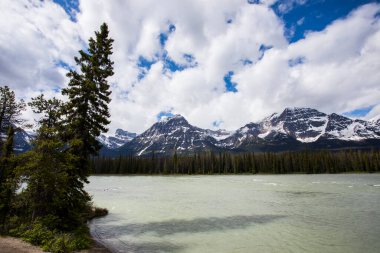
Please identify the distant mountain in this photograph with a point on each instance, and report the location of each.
(300, 128)
(376, 119)
(173, 134)
(22, 140)
(293, 129)
(120, 138)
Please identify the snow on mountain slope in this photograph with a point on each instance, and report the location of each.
(309, 125)
(173, 134)
(375, 119)
(304, 125)
(343, 128)
(120, 138)
(293, 128)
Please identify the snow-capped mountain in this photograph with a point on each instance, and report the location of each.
(375, 119)
(306, 126)
(22, 140)
(120, 138)
(293, 129)
(218, 134)
(173, 134)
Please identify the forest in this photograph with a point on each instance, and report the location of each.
(245, 163)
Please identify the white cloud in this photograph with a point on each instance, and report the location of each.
(374, 114)
(338, 73)
(285, 6)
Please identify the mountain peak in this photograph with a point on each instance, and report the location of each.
(175, 118)
(121, 132)
(294, 128)
(375, 119)
(120, 138)
(299, 110)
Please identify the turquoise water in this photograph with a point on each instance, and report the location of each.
(266, 213)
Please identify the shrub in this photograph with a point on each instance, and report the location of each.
(53, 240)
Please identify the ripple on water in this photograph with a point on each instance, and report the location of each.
(236, 214)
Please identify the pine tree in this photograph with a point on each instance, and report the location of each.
(175, 162)
(53, 112)
(7, 180)
(88, 92)
(47, 169)
(10, 110)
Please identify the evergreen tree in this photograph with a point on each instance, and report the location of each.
(7, 180)
(88, 92)
(10, 110)
(51, 108)
(47, 169)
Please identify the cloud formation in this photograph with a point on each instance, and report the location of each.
(333, 70)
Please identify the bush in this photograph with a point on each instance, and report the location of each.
(36, 234)
(53, 240)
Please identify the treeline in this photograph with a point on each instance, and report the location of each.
(246, 163)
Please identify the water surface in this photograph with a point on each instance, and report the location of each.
(245, 214)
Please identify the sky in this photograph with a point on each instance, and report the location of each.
(219, 63)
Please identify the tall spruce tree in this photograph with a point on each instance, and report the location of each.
(7, 180)
(47, 170)
(88, 92)
(10, 111)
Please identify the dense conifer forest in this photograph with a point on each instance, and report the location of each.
(246, 163)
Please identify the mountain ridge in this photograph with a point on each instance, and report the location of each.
(295, 128)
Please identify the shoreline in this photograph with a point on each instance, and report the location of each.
(235, 174)
(10, 244)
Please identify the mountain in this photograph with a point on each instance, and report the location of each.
(300, 128)
(120, 138)
(22, 140)
(173, 134)
(375, 119)
(292, 129)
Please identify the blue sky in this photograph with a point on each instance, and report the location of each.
(219, 63)
(313, 15)
(71, 7)
(360, 112)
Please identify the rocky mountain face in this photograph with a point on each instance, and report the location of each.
(292, 129)
(22, 140)
(299, 128)
(170, 135)
(120, 138)
(375, 119)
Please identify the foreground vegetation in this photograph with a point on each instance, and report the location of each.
(42, 194)
(226, 163)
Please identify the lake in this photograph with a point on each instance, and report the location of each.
(242, 214)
